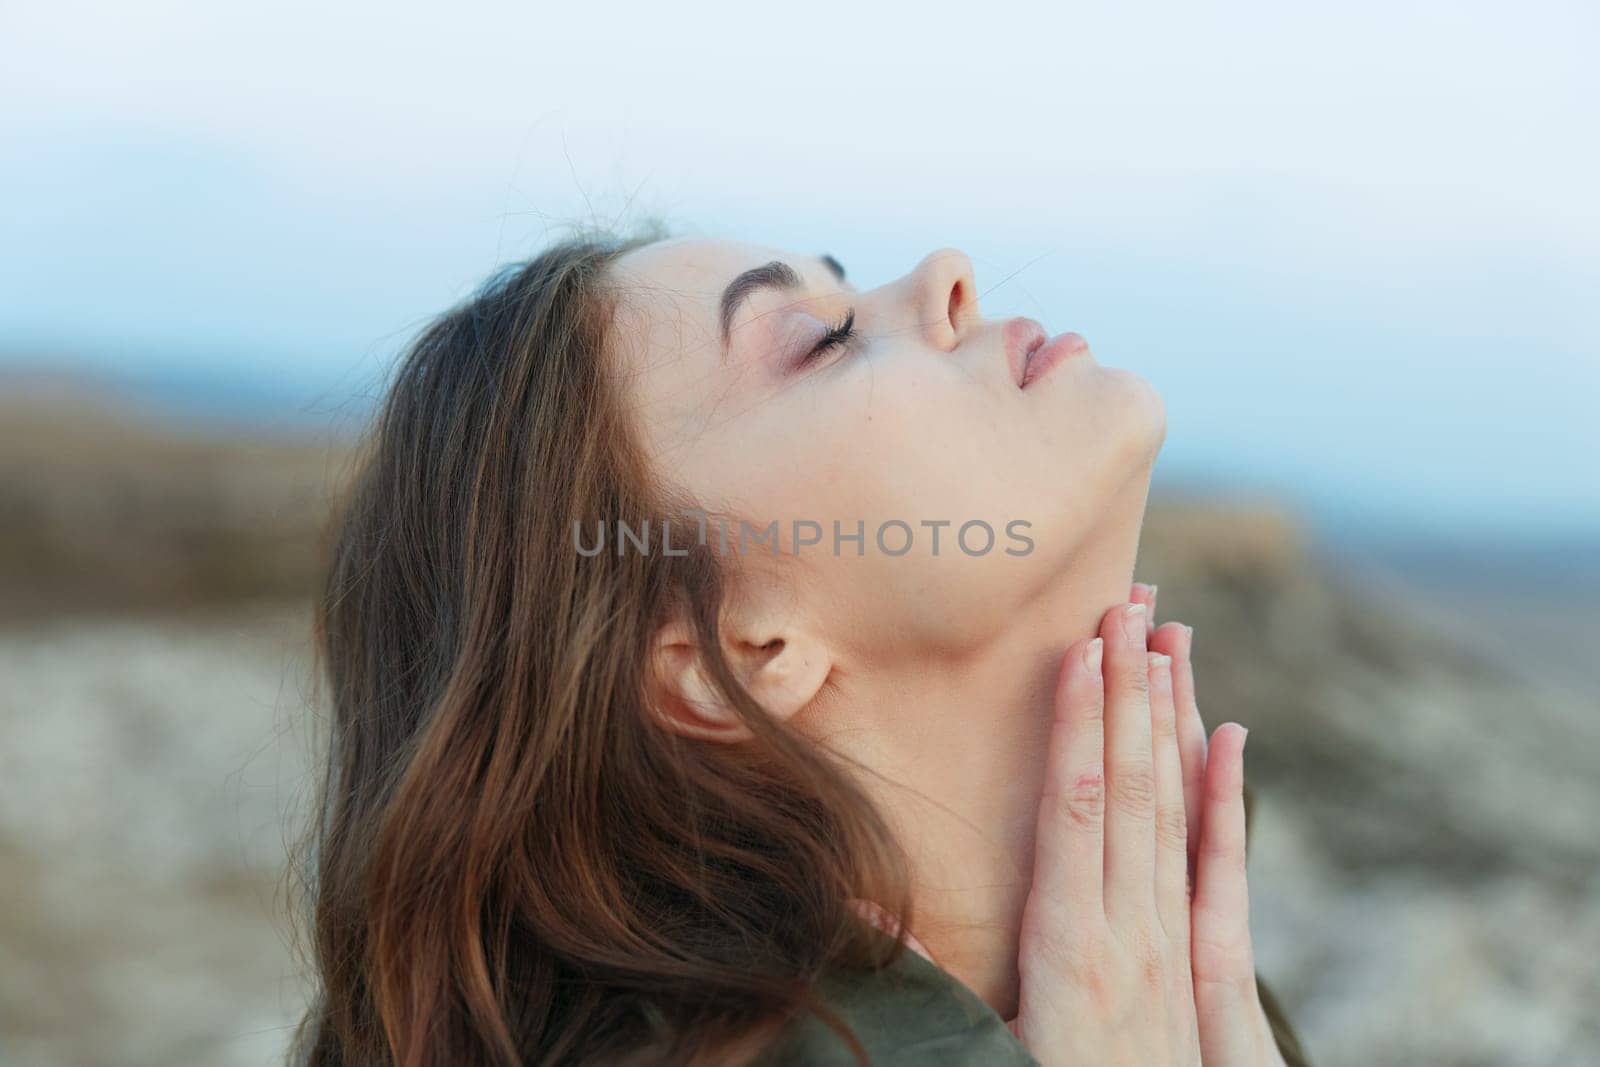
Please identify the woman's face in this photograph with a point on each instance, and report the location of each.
(923, 416)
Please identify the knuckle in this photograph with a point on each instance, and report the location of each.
(1137, 679)
(1172, 827)
(1223, 961)
(1083, 803)
(1152, 974)
(1133, 789)
(1149, 957)
(1091, 712)
(1223, 856)
(1089, 958)
(1106, 977)
(1100, 982)
(1164, 726)
(1231, 985)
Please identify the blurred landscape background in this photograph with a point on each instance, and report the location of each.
(1356, 251)
(1425, 865)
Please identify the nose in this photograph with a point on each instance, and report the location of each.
(945, 296)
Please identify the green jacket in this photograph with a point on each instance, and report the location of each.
(915, 1014)
(910, 1014)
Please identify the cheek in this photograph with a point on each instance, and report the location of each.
(916, 451)
(849, 458)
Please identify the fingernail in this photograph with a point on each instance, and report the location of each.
(1160, 661)
(1188, 639)
(1133, 621)
(1093, 652)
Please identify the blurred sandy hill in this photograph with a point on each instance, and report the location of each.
(104, 505)
(1426, 864)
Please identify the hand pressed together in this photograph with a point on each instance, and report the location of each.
(1119, 962)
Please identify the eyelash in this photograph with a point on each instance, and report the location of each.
(839, 336)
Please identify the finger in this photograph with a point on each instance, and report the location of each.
(1145, 593)
(1130, 771)
(1177, 641)
(1070, 849)
(1222, 961)
(1220, 916)
(1172, 830)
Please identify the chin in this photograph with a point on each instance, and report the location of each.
(1146, 418)
(1155, 410)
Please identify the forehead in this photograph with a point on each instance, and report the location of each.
(702, 267)
(692, 263)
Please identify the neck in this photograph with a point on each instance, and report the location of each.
(966, 743)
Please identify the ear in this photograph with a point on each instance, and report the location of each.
(783, 669)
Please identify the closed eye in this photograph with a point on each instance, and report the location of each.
(839, 336)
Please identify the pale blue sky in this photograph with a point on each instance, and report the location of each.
(1356, 248)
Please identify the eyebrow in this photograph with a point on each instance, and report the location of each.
(774, 275)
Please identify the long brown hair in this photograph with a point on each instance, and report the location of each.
(511, 860)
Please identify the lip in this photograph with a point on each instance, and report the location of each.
(1052, 354)
(1032, 354)
(1022, 337)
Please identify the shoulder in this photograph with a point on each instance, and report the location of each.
(910, 1012)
